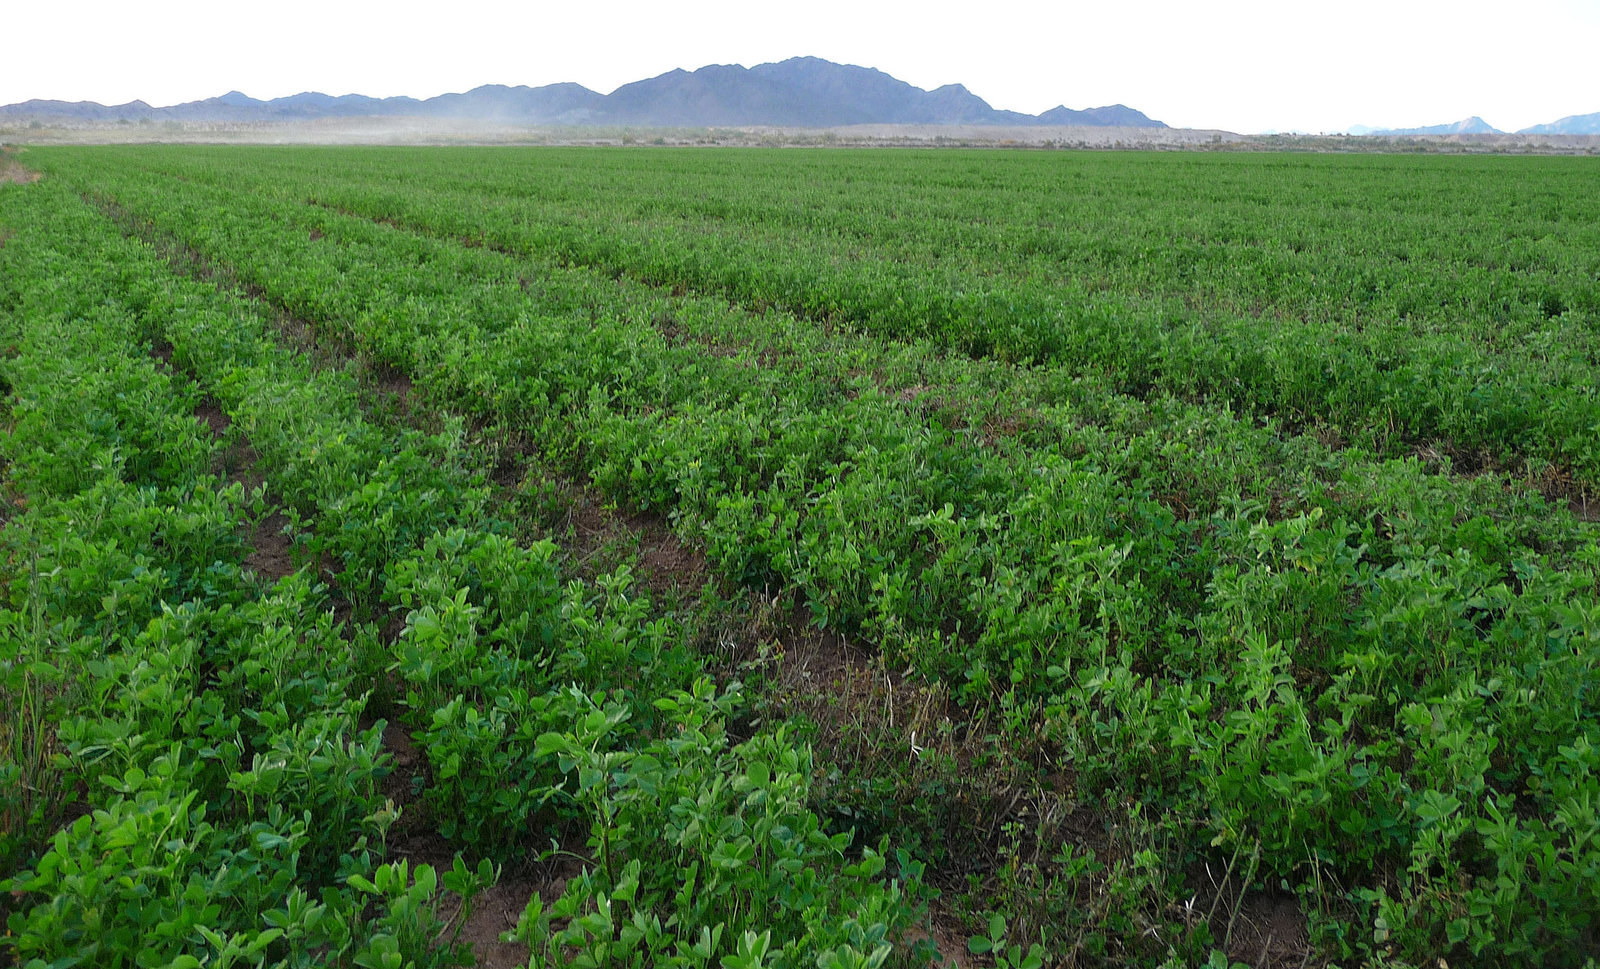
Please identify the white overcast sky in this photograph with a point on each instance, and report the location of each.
(1242, 65)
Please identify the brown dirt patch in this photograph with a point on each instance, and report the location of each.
(237, 462)
(411, 837)
(1557, 484)
(1271, 931)
(14, 174)
(498, 909)
(949, 939)
(271, 548)
(888, 738)
(865, 714)
(664, 563)
(208, 412)
(507, 474)
(1560, 487)
(1266, 930)
(415, 839)
(395, 384)
(495, 911)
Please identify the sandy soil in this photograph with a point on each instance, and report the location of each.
(12, 172)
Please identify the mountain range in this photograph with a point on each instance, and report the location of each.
(1577, 124)
(1572, 124)
(806, 92)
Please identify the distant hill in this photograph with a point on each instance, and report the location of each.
(800, 92)
(1576, 124)
(1111, 115)
(1471, 126)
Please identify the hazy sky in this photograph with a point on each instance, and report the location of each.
(1237, 64)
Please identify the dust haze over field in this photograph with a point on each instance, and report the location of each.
(445, 131)
(441, 131)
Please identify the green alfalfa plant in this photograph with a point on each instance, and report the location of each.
(37, 685)
(409, 926)
(994, 943)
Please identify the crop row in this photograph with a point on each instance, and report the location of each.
(237, 810)
(1281, 290)
(194, 778)
(1376, 677)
